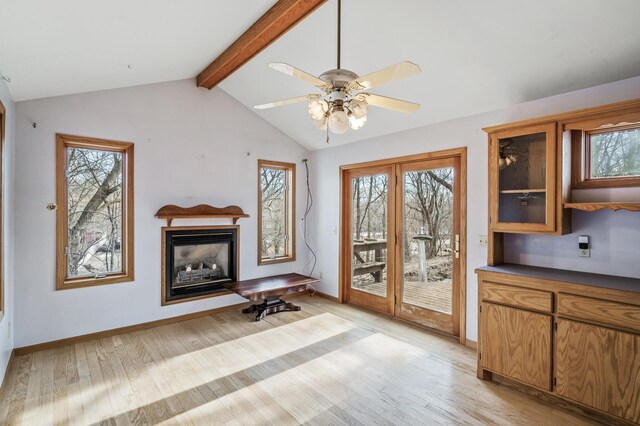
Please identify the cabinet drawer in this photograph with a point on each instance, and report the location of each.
(601, 311)
(517, 296)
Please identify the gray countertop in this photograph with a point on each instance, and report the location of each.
(575, 277)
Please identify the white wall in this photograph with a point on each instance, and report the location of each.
(6, 324)
(467, 132)
(191, 146)
(614, 238)
(180, 132)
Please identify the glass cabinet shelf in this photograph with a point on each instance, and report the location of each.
(521, 191)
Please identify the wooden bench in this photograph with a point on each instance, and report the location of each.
(270, 290)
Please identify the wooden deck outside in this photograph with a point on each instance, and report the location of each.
(435, 296)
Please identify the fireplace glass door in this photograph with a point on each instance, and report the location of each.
(197, 263)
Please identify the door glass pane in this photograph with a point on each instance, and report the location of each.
(428, 242)
(523, 177)
(369, 234)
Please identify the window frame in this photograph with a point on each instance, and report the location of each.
(3, 115)
(582, 159)
(63, 142)
(290, 209)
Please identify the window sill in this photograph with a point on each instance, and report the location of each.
(262, 262)
(92, 282)
(607, 183)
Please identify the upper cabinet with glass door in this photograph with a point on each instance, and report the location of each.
(522, 179)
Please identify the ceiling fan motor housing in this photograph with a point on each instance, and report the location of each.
(338, 78)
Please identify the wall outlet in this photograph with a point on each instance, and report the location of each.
(320, 275)
(584, 249)
(584, 252)
(483, 240)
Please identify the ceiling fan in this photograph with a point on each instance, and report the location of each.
(344, 102)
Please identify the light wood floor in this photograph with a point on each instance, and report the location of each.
(328, 364)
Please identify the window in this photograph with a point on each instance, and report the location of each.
(95, 212)
(608, 157)
(2, 130)
(614, 154)
(276, 212)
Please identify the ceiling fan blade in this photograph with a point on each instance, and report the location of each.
(295, 72)
(287, 101)
(390, 103)
(394, 72)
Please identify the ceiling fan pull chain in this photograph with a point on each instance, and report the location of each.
(327, 135)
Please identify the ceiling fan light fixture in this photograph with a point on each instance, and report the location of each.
(321, 123)
(339, 121)
(317, 109)
(358, 108)
(357, 123)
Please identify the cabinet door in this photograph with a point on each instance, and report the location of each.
(522, 179)
(599, 367)
(517, 344)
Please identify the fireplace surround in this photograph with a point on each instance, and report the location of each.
(197, 262)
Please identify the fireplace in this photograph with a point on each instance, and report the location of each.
(197, 262)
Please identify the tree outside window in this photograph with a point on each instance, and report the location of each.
(276, 209)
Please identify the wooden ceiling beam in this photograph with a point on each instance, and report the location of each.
(282, 16)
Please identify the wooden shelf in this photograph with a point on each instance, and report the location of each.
(201, 211)
(593, 206)
(521, 191)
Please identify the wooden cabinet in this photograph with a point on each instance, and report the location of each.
(570, 334)
(533, 165)
(522, 179)
(599, 367)
(517, 344)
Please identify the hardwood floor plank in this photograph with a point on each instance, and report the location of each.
(327, 364)
(79, 390)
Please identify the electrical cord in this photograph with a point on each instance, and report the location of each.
(309, 205)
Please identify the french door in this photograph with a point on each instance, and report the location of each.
(401, 239)
(368, 228)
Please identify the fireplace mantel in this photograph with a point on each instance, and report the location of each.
(200, 211)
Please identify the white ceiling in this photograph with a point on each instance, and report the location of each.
(51, 48)
(476, 56)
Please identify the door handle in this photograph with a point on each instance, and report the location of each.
(456, 251)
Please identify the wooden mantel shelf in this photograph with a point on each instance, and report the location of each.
(201, 211)
(591, 207)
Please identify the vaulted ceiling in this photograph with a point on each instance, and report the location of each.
(476, 56)
(50, 48)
